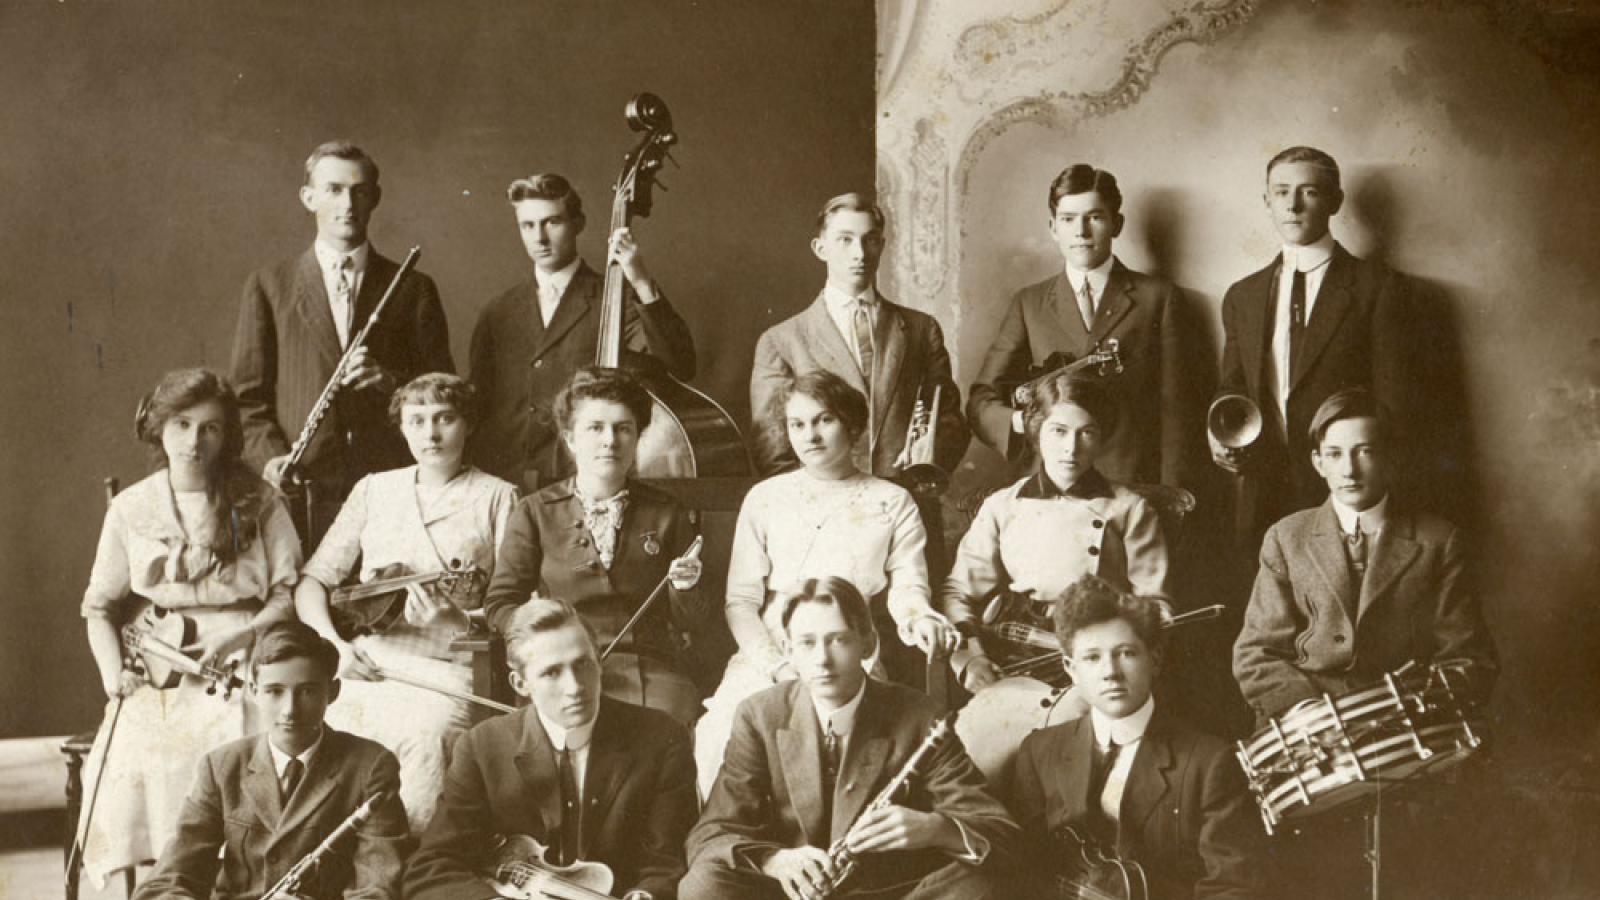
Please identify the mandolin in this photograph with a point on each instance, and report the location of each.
(690, 435)
(1095, 872)
(521, 872)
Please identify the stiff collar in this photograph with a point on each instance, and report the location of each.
(280, 759)
(840, 720)
(1123, 731)
(1310, 256)
(1098, 276)
(841, 302)
(568, 738)
(1371, 520)
(1089, 486)
(559, 279)
(330, 259)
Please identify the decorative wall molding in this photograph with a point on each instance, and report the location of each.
(1200, 24)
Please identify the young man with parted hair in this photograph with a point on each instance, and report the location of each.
(260, 804)
(588, 777)
(1313, 321)
(1094, 299)
(297, 318)
(1131, 777)
(529, 340)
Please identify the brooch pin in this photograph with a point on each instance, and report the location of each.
(651, 545)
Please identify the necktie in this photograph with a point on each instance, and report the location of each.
(571, 811)
(1104, 827)
(1297, 315)
(292, 773)
(861, 324)
(832, 753)
(549, 299)
(1086, 304)
(344, 303)
(1356, 544)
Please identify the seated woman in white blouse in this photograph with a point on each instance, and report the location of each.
(828, 518)
(203, 537)
(1033, 539)
(438, 514)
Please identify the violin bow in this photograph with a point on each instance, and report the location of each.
(75, 857)
(692, 553)
(485, 702)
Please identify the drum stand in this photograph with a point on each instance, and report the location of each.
(1374, 840)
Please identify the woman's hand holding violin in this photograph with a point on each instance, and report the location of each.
(424, 608)
(356, 665)
(225, 643)
(121, 683)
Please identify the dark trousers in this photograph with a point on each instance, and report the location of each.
(952, 881)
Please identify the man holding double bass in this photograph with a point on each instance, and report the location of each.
(296, 321)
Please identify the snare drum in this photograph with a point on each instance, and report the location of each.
(1325, 753)
(994, 722)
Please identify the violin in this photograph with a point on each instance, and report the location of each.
(1106, 359)
(151, 642)
(375, 606)
(1097, 873)
(521, 872)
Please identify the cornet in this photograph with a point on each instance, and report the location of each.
(920, 473)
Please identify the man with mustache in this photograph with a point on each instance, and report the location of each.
(258, 805)
(296, 320)
(530, 339)
(1314, 321)
(1097, 299)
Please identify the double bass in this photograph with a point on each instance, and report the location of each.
(690, 435)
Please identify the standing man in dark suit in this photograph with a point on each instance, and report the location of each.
(1131, 776)
(1360, 585)
(258, 805)
(894, 355)
(530, 339)
(808, 757)
(296, 320)
(1312, 322)
(588, 777)
(1094, 300)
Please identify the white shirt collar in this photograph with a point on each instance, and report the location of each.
(840, 301)
(329, 258)
(1309, 257)
(280, 759)
(1371, 520)
(1126, 730)
(1098, 276)
(841, 720)
(564, 738)
(558, 279)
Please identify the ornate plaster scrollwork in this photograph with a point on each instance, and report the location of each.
(1201, 23)
(930, 219)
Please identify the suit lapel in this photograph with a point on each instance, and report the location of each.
(1074, 777)
(1326, 551)
(536, 763)
(374, 281)
(311, 302)
(800, 759)
(890, 335)
(1113, 307)
(1063, 304)
(1255, 323)
(318, 784)
(1147, 777)
(608, 763)
(1395, 550)
(866, 754)
(582, 292)
(261, 785)
(823, 339)
(1334, 300)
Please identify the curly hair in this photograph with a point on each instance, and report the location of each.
(597, 383)
(1091, 600)
(437, 387)
(237, 495)
(1088, 393)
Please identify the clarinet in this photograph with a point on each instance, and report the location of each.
(319, 411)
(290, 883)
(840, 855)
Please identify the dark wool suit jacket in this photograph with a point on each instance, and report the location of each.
(234, 806)
(285, 350)
(1359, 334)
(1186, 816)
(519, 365)
(768, 795)
(547, 548)
(910, 352)
(504, 779)
(1160, 412)
(1311, 628)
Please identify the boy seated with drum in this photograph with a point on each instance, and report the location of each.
(1129, 779)
(260, 805)
(1361, 585)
